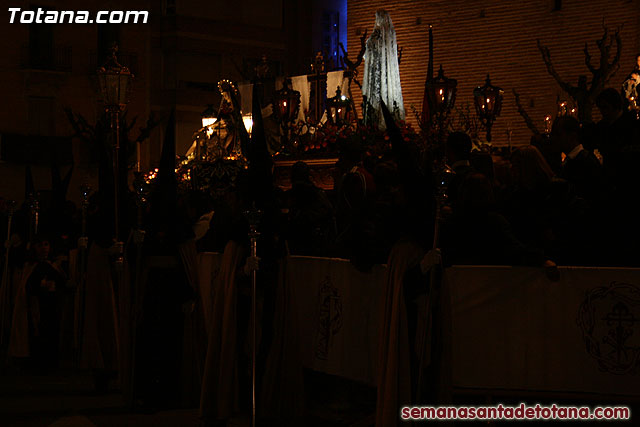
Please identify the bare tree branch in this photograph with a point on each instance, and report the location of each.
(525, 115)
(363, 48)
(607, 69)
(583, 95)
(546, 57)
(615, 64)
(351, 65)
(587, 59)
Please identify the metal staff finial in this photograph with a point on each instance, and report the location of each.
(85, 190)
(34, 211)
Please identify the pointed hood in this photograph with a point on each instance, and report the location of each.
(260, 162)
(57, 218)
(167, 167)
(29, 188)
(165, 216)
(258, 151)
(59, 185)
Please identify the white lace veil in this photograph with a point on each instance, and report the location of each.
(381, 72)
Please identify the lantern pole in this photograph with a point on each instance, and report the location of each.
(83, 244)
(253, 217)
(115, 116)
(254, 252)
(115, 85)
(287, 106)
(5, 295)
(489, 123)
(35, 216)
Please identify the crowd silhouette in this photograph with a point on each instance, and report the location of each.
(567, 198)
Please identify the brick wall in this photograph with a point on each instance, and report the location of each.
(476, 37)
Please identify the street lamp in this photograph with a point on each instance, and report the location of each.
(439, 95)
(287, 103)
(115, 83)
(338, 108)
(115, 87)
(286, 107)
(488, 103)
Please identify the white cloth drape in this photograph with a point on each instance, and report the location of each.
(302, 85)
(335, 79)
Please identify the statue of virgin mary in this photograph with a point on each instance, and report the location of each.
(381, 79)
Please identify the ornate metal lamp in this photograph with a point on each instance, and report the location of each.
(338, 108)
(488, 102)
(440, 93)
(286, 103)
(115, 83)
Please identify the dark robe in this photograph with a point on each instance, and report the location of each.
(584, 172)
(219, 398)
(44, 286)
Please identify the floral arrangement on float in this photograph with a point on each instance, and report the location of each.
(311, 140)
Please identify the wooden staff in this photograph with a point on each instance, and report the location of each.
(134, 290)
(5, 295)
(34, 217)
(434, 276)
(82, 268)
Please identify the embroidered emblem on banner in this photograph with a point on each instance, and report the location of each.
(329, 317)
(609, 318)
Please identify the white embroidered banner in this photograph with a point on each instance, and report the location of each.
(339, 313)
(512, 327)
